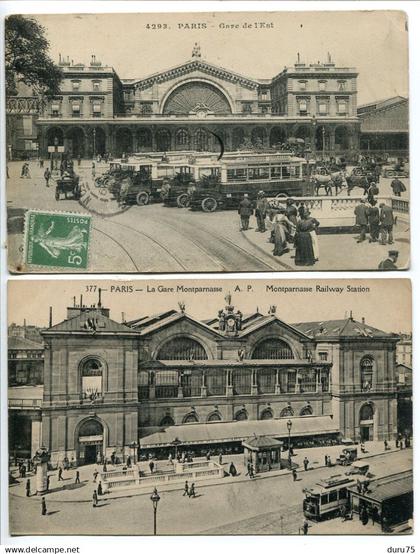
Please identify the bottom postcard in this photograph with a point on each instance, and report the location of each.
(210, 407)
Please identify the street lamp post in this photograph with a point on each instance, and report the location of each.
(313, 137)
(94, 143)
(289, 429)
(323, 142)
(155, 499)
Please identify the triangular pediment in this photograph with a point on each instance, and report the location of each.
(193, 66)
(181, 321)
(273, 322)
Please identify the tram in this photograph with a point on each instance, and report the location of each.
(327, 497)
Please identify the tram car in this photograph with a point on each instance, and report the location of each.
(326, 498)
(222, 185)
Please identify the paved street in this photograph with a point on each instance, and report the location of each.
(158, 239)
(265, 505)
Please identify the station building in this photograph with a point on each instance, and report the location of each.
(111, 386)
(184, 107)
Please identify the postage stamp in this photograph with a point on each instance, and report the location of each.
(57, 239)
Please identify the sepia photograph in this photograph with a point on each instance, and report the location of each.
(207, 142)
(210, 407)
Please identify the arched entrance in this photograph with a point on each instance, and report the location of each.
(144, 139)
(202, 140)
(342, 138)
(163, 140)
(366, 422)
(98, 144)
(124, 141)
(55, 136)
(277, 136)
(90, 442)
(76, 143)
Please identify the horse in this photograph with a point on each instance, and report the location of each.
(354, 181)
(328, 181)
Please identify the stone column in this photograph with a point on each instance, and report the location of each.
(41, 459)
(229, 386)
(277, 389)
(254, 386)
(36, 430)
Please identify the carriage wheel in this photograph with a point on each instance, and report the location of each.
(209, 204)
(282, 195)
(142, 198)
(390, 173)
(183, 200)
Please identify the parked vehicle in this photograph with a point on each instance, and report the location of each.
(347, 456)
(68, 184)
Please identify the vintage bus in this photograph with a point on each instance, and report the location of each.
(327, 497)
(222, 185)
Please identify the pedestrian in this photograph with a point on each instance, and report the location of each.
(282, 230)
(385, 444)
(306, 246)
(77, 480)
(291, 211)
(60, 474)
(186, 489)
(305, 527)
(390, 262)
(397, 187)
(28, 487)
(100, 489)
(220, 458)
(301, 210)
(104, 468)
(361, 213)
(41, 162)
(401, 444)
(245, 211)
(208, 455)
(23, 471)
(305, 463)
(261, 212)
(192, 491)
(343, 512)
(406, 442)
(151, 466)
(294, 473)
(128, 461)
(329, 461)
(43, 507)
(93, 169)
(386, 218)
(397, 443)
(95, 499)
(95, 475)
(372, 192)
(47, 176)
(23, 171)
(170, 459)
(326, 460)
(251, 471)
(373, 221)
(232, 470)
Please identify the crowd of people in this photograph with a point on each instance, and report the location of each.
(290, 226)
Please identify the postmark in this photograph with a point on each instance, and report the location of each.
(57, 239)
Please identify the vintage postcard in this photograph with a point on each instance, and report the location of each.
(210, 407)
(208, 142)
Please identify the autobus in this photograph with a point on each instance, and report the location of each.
(326, 497)
(278, 174)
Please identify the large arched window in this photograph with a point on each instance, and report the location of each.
(366, 373)
(92, 378)
(91, 428)
(196, 97)
(182, 138)
(266, 379)
(241, 381)
(216, 382)
(182, 348)
(272, 349)
(287, 412)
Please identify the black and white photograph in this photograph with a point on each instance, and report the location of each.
(207, 142)
(215, 407)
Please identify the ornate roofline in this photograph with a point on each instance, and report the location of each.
(193, 65)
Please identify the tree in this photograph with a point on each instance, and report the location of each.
(26, 58)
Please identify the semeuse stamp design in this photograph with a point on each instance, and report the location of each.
(57, 239)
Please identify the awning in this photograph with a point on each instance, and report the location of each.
(206, 433)
(388, 487)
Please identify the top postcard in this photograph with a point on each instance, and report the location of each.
(207, 142)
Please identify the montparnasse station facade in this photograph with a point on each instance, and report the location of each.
(195, 105)
(170, 378)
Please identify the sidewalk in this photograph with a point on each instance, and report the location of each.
(68, 491)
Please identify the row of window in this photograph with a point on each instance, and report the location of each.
(76, 109)
(322, 85)
(96, 85)
(322, 107)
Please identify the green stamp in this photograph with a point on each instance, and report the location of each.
(57, 239)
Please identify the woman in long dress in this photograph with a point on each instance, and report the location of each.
(305, 254)
(282, 230)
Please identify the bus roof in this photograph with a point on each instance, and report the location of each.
(326, 485)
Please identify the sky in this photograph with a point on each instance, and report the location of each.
(374, 42)
(30, 300)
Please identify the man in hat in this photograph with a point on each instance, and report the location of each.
(361, 213)
(397, 187)
(261, 212)
(245, 211)
(390, 262)
(387, 224)
(373, 221)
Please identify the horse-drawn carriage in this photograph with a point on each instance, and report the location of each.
(68, 184)
(400, 169)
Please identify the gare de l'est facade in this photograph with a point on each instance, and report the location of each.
(112, 387)
(195, 105)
